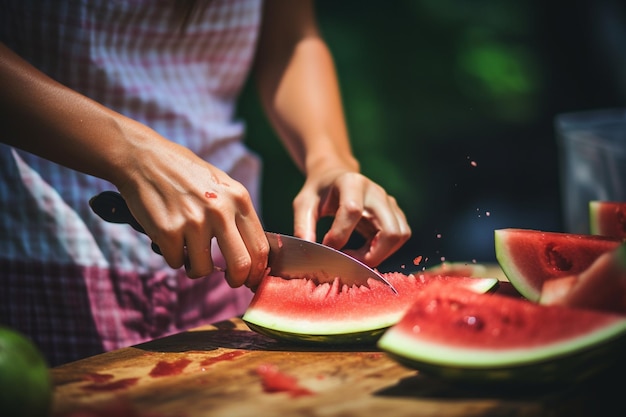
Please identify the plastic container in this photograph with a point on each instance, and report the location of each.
(592, 152)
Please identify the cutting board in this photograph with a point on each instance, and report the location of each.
(220, 370)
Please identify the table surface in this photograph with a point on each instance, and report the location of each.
(221, 370)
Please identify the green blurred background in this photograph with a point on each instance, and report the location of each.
(450, 106)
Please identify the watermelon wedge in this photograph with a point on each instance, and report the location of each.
(601, 287)
(464, 269)
(461, 335)
(608, 218)
(531, 257)
(300, 310)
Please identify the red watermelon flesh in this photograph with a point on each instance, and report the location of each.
(531, 257)
(461, 334)
(301, 310)
(601, 287)
(608, 218)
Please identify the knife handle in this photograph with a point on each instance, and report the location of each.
(111, 207)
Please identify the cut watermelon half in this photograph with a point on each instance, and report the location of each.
(530, 257)
(607, 218)
(466, 336)
(300, 310)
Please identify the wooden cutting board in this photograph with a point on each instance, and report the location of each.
(216, 371)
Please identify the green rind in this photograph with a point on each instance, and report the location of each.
(603, 223)
(569, 368)
(620, 255)
(369, 337)
(321, 328)
(452, 268)
(451, 355)
(594, 224)
(514, 275)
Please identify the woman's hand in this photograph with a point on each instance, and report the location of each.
(299, 90)
(183, 202)
(358, 205)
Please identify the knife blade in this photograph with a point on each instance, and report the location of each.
(289, 257)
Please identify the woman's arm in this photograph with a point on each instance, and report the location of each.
(179, 199)
(43, 117)
(298, 86)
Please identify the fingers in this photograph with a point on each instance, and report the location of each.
(245, 250)
(170, 242)
(305, 207)
(393, 232)
(184, 232)
(365, 207)
(198, 260)
(239, 234)
(245, 253)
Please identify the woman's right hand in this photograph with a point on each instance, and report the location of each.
(183, 202)
(180, 200)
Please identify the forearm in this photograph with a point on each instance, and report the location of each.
(50, 120)
(300, 92)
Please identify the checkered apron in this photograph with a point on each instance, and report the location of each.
(73, 283)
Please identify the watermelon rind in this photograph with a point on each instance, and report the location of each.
(327, 323)
(324, 330)
(436, 353)
(468, 269)
(445, 348)
(546, 255)
(607, 218)
(565, 369)
(343, 338)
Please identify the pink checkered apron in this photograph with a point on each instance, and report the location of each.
(73, 283)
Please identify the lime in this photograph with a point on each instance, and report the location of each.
(25, 383)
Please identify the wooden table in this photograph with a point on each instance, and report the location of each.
(215, 371)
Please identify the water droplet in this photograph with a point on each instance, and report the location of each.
(472, 322)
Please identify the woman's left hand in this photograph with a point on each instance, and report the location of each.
(358, 205)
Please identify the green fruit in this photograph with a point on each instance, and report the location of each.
(25, 383)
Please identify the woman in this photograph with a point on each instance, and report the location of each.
(140, 96)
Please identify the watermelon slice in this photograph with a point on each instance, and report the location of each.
(302, 311)
(464, 269)
(601, 287)
(531, 257)
(466, 336)
(608, 218)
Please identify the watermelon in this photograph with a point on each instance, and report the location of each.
(300, 310)
(466, 269)
(608, 218)
(601, 287)
(460, 335)
(531, 257)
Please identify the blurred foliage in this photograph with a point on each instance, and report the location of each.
(449, 105)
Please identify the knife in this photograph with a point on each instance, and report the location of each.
(289, 256)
